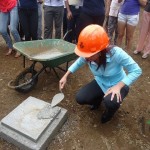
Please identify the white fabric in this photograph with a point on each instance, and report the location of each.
(75, 2)
(114, 8)
(54, 3)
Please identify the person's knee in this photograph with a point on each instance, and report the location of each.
(111, 105)
(79, 99)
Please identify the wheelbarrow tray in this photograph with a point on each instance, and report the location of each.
(50, 52)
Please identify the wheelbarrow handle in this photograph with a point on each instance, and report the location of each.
(66, 34)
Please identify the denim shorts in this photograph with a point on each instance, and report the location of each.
(129, 19)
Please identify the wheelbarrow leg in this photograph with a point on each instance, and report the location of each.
(56, 73)
(32, 68)
(67, 65)
(24, 61)
(43, 68)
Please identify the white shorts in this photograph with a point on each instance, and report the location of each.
(129, 19)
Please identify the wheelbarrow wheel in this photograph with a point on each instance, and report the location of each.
(23, 78)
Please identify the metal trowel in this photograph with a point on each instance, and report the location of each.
(57, 99)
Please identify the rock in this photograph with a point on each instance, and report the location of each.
(95, 126)
(73, 148)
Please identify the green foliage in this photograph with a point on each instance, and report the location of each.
(148, 122)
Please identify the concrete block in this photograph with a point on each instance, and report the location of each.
(23, 128)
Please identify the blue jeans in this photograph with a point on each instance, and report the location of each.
(11, 18)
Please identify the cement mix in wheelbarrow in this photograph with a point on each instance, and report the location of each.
(23, 128)
(49, 54)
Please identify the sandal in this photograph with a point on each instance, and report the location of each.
(18, 54)
(144, 56)
(136, 52)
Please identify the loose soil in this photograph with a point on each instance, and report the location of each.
(83, 131)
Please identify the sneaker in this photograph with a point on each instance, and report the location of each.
(136, 52)
(144, 56)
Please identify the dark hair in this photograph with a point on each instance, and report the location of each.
(102, 56)
(102, 59)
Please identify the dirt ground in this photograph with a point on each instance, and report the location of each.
(83, 131)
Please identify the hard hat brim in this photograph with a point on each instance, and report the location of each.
(83, 54)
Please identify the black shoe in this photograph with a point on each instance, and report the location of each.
(107, 116)
(94, 107)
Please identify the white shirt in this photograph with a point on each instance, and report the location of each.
(75, 2)
(114, 8)
(53, 2)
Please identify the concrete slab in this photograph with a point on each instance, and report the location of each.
(23, 128)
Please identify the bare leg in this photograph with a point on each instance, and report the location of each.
(130, 33)
(121, 30)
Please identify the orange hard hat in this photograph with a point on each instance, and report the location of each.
(92, 40)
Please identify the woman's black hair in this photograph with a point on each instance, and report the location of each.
(102, 56)
(102, 59)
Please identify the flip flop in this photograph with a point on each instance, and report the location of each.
(9, 52)
(17, 55)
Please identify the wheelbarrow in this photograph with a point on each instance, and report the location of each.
(51, 53)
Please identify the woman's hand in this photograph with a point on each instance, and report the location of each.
(63, 80)
(69, 15)
(115, 90)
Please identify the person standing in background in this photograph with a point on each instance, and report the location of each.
(113, 20)
(128, 19)
(53, 13)
(9, 15)
(39, 20)
(73, 13)
(92, 12)
(144, 38)
(28, 15)
(65, 21)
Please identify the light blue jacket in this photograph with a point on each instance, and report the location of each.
(119, 67)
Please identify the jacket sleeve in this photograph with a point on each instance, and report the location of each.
(77, 64)
(132, 69)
